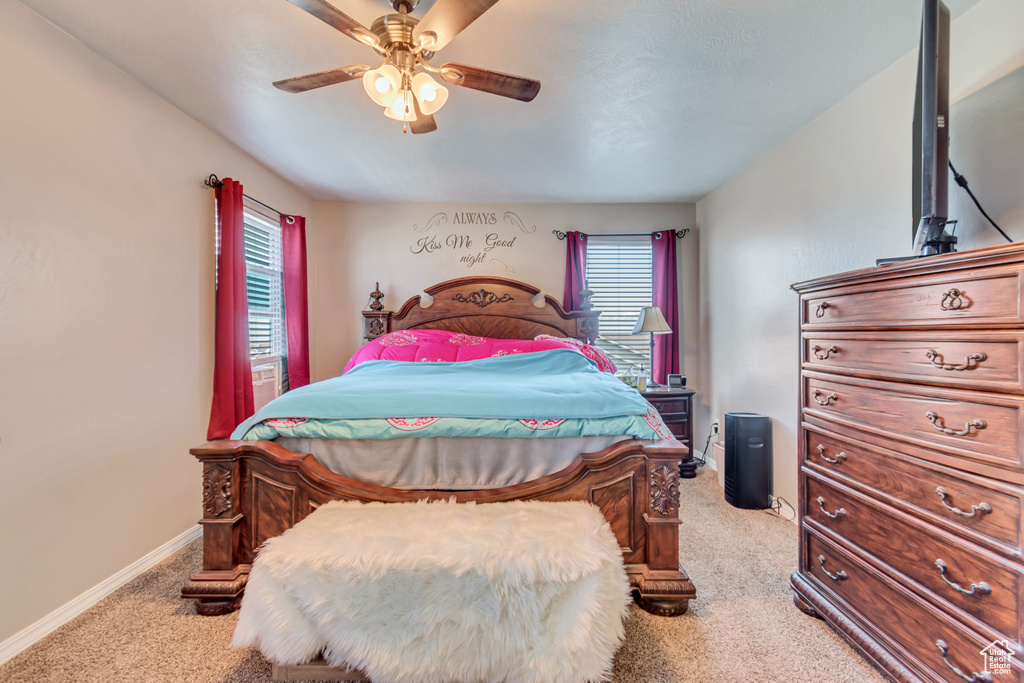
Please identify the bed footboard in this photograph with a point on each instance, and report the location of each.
(255, 490)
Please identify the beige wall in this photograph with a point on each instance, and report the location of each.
(360, 244)
(106, 314)
(833, 197)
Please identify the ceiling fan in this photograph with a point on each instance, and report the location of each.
(402, 83)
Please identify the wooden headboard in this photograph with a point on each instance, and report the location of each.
(485, 307)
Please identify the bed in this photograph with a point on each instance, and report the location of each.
(257, 489)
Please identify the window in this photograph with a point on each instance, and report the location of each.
(264, 285)
(619, 271)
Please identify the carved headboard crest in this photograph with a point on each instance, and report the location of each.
(486, 307)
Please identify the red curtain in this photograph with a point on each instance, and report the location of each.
(232, 372)
(575, 270)
(296, 302)
(666, 297)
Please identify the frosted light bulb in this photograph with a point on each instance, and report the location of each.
(381, 84)
(431, 96)
(401, 109)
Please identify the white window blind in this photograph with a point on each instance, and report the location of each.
(619, 271)
(264, 285)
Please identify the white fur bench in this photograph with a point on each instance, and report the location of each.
(442, 591)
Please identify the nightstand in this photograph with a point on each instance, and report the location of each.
(675, 407)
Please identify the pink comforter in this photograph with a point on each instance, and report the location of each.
(443, 346)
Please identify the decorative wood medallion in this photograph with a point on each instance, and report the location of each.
(664, 490)
(482, 298)
(216, 490)
(376, 326)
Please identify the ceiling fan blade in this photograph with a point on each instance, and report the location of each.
(322, 78)
(423, 122)
(334, 17)
(494, 82)
(446, 19)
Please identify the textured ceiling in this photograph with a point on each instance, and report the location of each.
(642, 100)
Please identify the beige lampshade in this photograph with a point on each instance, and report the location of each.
(651, 320)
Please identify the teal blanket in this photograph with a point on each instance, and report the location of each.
(560, 383)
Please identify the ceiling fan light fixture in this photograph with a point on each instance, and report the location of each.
(401, 109)
(430, 94)
(382, 84)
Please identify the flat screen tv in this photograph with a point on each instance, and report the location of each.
(931, 138)
(931, 134)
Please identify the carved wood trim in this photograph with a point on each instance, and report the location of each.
(462, 305)
(664, 490)
(482, 298)
(852, 632)
(216, 490)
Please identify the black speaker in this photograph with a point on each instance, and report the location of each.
(748, 460)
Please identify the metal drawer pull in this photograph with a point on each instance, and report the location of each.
(981, 508)
(839, 456)
(822, 353)
(819, 312)
(936, 358)
(841, 512)
(940, 424)
(953, 300)
(838, 576)
(976, 588)
(975, 677)
(825, 401)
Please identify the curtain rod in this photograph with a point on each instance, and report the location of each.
(679, 233)
(213, 181)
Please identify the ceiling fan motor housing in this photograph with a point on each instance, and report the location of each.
(394, 29)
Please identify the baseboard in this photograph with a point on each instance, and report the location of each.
(60, 616)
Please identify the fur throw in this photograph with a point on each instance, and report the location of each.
(443, 591)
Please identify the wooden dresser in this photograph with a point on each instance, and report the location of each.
(912, 462)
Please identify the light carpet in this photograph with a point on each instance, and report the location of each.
(742, 627)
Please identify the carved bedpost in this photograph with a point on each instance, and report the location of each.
(218, 588)
(585, 303)
(376, 321)
(664, 589)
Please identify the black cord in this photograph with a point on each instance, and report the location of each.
(776, 507)
(704, 453)
(962, 182)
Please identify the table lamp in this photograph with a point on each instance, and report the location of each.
(652, 320)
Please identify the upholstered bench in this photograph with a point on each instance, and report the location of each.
(441, 591)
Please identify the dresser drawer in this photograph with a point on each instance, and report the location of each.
(913, 627)
(980, 426)
(982, 509)
(991, 297)
(975, 360)
(680, 406)
(986, 586)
